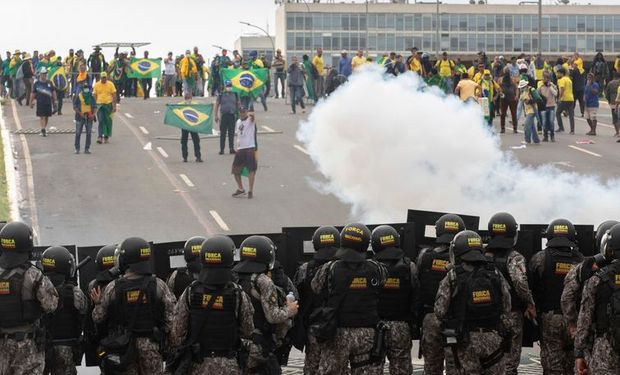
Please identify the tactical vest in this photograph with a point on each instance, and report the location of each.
(557, 265)
(150, 309)
(585, 272)
(247, 281)
(308, 300)
(478, 299)
(65, 323)
(182, 280)
(17, 309)
(432, 270)
(607, 304)
(359, 282)
(500, 258)
(395, 296)
(218, 326)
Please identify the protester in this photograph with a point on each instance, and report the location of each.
(226, 109)
(579, 83)
(600, 69)
(14, 65)
(189, 72)
(96, 63)
(311, 74)
(591, 93)
(319, 81)
(186, 133)
(344, 65)
(105, 97)
(611, 92)
(60, 91)
(296, 78)
(489, 89)
(467, 90)
(413, 62)
(245, 154)
(549, 91)
(169, 75)
(358, 60)
(84, 106)
(566, 101)
(147, 83)
(445, 67)
(508, 100)
(529, 108)
(44, 93)
(27, 69)
(279, 64)
(5, 77)
(200, 78)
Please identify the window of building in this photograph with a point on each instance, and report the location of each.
(462, 43)
(390, 21)
(599, 43)
(471, 42)
(454, 22)
(490, 23)
(426, 22)
(508, 42)
(553, 23)
(572, 42)
(354, 22)
(372, 41)
(381, 46)
(390, 42)
(499, 23)
(545, 43)
(317, 21)
(409, 42)
(344, 41)
(417, 22)
(589, 24)
(490, 43)
(563, 42)
(463, 22)
(454, 43)
(517, 43)
(299, 41)
(545, 24)
(590, 43)
(609, 43)
(345, 22)
(508, 23)
(427, 40)
(362, 22)
(563, 24)
(572, 23)
(400, 44)
(581, 24)
(527, 42)
(327, 43)
(445, 22)
(400, 22)
(417, 41)
(317, 41)
(617, 24)
(308, 19)
(529, 24)
(290, 22)
(336, 41)
(581, 42)
(354, 41)
(617, 43)
(381, 20)
(534, 44)
(308, 43)
(482, 23)
(299, 22)
(554, 43)
(600, 24)
(372, 21)
(609, 24)
(471, 23)
(290, 41)
(409, 22)
(517, 22)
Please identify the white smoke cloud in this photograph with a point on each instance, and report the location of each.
(386, 145)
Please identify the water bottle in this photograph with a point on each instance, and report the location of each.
(290, 297)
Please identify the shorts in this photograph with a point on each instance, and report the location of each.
(169, 80)
(244, 158)
(44, 110)
(590, 113)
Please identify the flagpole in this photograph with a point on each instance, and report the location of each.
(273, 46)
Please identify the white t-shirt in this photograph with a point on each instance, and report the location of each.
(169, 67)
(246, 133)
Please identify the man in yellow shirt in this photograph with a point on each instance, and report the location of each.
(358, 60)
(104, 93)
(467, 89)
(189, 72)
(319, 82)
(413, 62)
(617, 64)
(566, 101)
(445, 67)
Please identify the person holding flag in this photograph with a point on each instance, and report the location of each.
(105, 97)
(186, 133)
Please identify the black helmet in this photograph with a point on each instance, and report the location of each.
(447, 227)
(16, 244)
(467, 246)
(257, 255)
(326, 241)
(561, 233)
(384, 237)
(135, 254)
(600, 232)
(217, 256)
(503, 231)
(354, 241)
(58, 260)
(105, 258)
(191, 253)
(610, 244)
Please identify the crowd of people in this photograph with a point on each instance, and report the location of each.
(348, 307)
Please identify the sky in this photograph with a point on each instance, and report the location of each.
(174, 25)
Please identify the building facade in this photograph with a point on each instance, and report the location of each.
(463, 29)
(263, 45)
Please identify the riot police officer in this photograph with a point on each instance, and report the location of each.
(578, 275)
(432, 268)
(64, 327)
(353, 285)
(25, 294)
(285, 287)
(325, 241)
(272, 315)
(548, 268)
(136, 305)
(214, 313)
(598, 325)
(397, 299)
(181, 278)
(473, 302)
(503, 231)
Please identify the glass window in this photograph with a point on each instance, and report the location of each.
(290, 22)
(317, 21)
(609, 43)
(545, 24)
(617, 24)
(581, 43)
(590, 24)
(390, 20)
(381, 21)
(454, 43)
(508, 23)
(617, 43)
(499, 23)
(553, 43)
(400, 22)
(426, 22)
(354, 41)
(600, 25)
(317, 41)
(409, 42)
(572, 23)
(481, 43)
(372, 21)
(290, 41)
(400, 44)
(444, 42)
(362, 43)
(372, 41)
(327, 43)
(299, 41)
(482, 23)
(307, 43)
(381, 47)
(490, 43)
(508, 42)
(344, 41)
(490, 23)
(563, 42)
(534, 44)
(599, 43)
(336, 24)
(327, 21)
(527, 42)
(299, 21)
(363, 22)
(463, 22)
(445, 22)
(345, 22)
(527, 23)
(408, 22)
(433, 22)
(581, 24)
(390, 43)
(336, 41)
(417, 22)
(417, 41)
(472, 23)
(354, 22)
(609, 24)
(553, 23)
(516, 22)
(309, 22)
(427, 41)
(545, 43)
(517, 43)
(572, 42)
(454, 23)
(471, 42)
(563, 24)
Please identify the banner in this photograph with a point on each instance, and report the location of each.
(192, 117)
(144, 68)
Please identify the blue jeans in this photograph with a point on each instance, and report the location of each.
(549, 122)
(530, 129)
(80, 123)
(297, 94)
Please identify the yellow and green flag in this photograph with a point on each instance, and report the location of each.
(58, 77)
(193, 117)
(144, 68)
(246, 82)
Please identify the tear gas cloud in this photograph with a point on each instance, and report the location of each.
(386, 145)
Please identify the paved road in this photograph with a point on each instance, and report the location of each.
(121, 189)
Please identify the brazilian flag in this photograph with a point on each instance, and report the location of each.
(246, 82)
(193, 117)
(144, 68)
(58, 77)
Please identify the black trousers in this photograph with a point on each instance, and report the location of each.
(227, 125)
(195, 139)
(147, 84)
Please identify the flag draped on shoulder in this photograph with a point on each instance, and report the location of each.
(246, 82)
(58, 77)
(193, 117)
(144, 68)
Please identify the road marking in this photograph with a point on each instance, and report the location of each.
(128, 115)
(174, 181)
(301, 149)
(586, 151)
(34, 216)
(9, 167)
(162, 152)
(268, 129)
(143, 129)
(187, 181)
(219, 221)
(598, 123)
